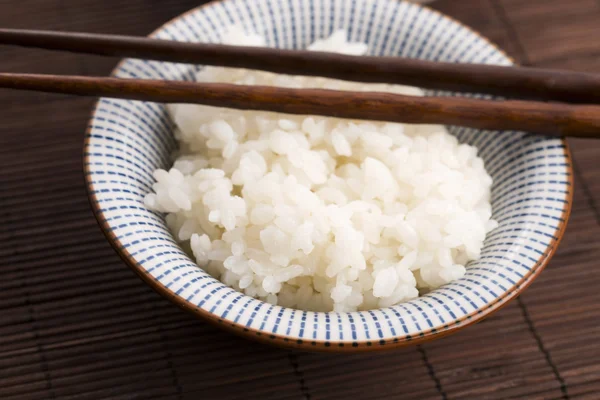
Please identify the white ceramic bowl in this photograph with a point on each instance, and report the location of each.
(531, 195)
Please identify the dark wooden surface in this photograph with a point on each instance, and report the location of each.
(75, 323)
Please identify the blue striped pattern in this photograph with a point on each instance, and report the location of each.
(127, 140)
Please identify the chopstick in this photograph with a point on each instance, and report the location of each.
(546, 118)
(512, 82)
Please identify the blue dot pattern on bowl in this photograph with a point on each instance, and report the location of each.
(127, 140)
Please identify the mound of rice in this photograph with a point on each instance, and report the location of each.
(320, 213)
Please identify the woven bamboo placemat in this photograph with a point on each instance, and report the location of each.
(75, 323)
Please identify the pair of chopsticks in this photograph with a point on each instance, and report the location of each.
(566, 118)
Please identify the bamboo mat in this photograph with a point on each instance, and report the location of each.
(75, 323)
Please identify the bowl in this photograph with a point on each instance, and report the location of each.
(531, 195)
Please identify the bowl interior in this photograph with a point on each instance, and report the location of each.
(127, 140)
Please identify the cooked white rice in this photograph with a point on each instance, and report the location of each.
(321, 213)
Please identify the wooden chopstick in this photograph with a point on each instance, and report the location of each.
(546, 118)
(512, 82)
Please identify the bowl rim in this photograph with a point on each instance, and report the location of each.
(319, 345)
